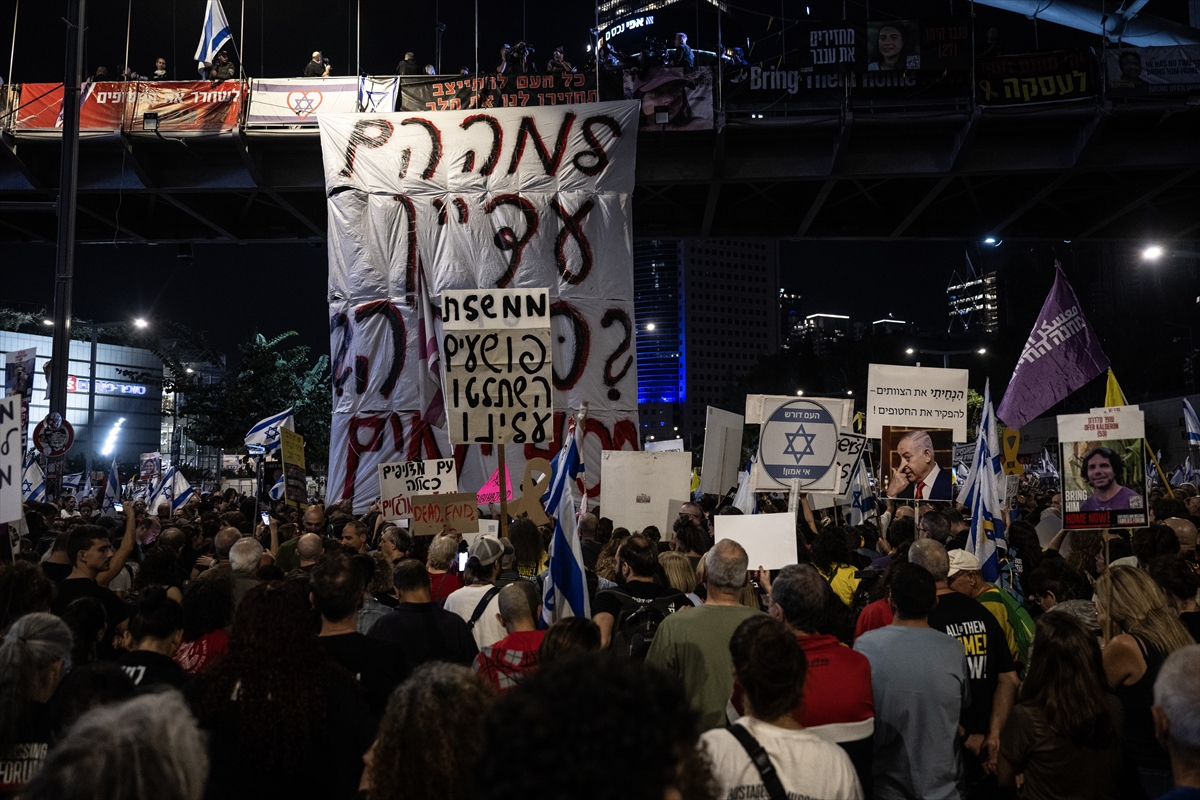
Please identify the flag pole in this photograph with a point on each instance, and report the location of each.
(12, 53)
(502, 474)
(580, 434)
(1157, 466)
(128, 28)
(241, 38)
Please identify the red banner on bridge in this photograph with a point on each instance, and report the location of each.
(113, 105)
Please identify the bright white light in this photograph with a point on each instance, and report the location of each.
(111, 441)
(589, 48)
(141, 323)
(649, 326)
(190, 370)
(1152, 252)
(799, 393)
(909, 351)
(49, 322)
(981, 350)
(676, 427)
(990, 240)
(849, 391)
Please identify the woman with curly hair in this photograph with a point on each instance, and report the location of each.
(1140, 630)
(606, 562)
(1066, 715)
(430, 736)
(284, 720)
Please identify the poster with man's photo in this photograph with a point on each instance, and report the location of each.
(1102, 463)
(18, 372)
(684, 96)
(1172, 70)
(918, 463)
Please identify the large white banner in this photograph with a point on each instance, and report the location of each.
(510, 198)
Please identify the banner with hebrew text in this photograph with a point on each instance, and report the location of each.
(424, 203)
(1036, 78)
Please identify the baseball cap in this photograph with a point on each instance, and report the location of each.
(962, 561)
(488, 549)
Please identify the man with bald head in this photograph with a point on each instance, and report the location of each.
(505, 662)
(309, 549)
(918, 477)
(1185, 532)
(313, 521)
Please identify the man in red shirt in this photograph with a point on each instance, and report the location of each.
(505, 662)
(837, 703)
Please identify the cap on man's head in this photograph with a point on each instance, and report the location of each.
(961, 561)
(488, 549)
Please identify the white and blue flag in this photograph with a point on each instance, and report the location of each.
(70, 483)
(112, 492)
(33, 483)
(983, 495)
(278, 489)
(862, 499)
(265, 433)
(173, 489)
(566, 585)
(377, 95)
(214, 35)
(1192, 423)
(744, 500)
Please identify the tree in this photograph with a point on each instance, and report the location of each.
(219, 404)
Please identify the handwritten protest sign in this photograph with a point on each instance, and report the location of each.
(434, 513)
(916, 397)
(295, 484)
(11, 474)
(400, 482)
(496, 362)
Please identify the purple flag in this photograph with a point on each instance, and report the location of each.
(1061, 355)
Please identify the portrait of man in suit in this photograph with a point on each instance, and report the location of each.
(918, 477)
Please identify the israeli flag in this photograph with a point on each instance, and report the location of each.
(566, 585)
(70, 483)
(1192, 423)
(112, 492)
(173, 489)
(33, 485)
(862, 499)
(744, 499)
(214, 35)
(982, 493)
(377, 95)
(277, 490)
(265, 433)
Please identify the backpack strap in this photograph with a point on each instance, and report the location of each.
(483, 604)
(762, 761)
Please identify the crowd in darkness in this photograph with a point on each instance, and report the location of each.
(195, 655)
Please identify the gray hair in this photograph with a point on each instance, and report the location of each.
(147, 748)
(930, 554)
(33, 644)
(1177, 693)
(225, 539)
(441, 551)
(920, 440)
(802, 594)
(725, 565)
(245, 555)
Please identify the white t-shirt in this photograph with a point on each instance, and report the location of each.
(487, 630)
(809, 767)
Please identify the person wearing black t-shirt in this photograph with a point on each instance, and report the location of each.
(155, 631)
(423, 630)
(337, 587)
(637, 563)
(91, 555)
(990, 667)
(317, 67)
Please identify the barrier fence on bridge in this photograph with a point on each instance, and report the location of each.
(836, 73)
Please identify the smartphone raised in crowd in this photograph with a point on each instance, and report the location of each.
(462, 561)
(266, 518)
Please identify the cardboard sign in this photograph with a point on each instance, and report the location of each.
(11, 473)
(916, 397)
(639, 487)
(798, 441)
(665, 446)
(490, 492)
(291, 449)
(850, 449)
(530, 501)
(769, 539)
(1102, 454)
(437, 513)
(496, 366)
(722, 451)
(401, 481)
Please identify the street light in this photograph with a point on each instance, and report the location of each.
(1152, 253)
(139, 322)
(945, 354)
(910, 351)
(649, 326)
(982, 351)
(799, 393)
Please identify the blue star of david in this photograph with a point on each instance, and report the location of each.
(26, 487)
(800, 434)
(272, 433)
(304, 104)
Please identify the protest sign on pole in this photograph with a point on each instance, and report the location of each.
(291, 449)
(450, 513)
(769, 539)
(400, 482)
(507, 198)
(916, 397)
(1101, 454)
(11, 473)
(496, 366)
(722, 451)
(639, 487)
(798, 441)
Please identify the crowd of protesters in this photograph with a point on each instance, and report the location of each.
(197, 654)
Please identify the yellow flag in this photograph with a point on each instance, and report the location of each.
(695, 480)
(860, 419)
(1113, 396)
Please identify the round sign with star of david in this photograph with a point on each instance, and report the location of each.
(799, 442)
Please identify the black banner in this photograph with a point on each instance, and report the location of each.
(889, 45)
(791, 86)
(1035, 78)
(451, 93)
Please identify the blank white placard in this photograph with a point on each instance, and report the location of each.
(769, 539)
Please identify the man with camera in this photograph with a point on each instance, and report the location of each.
(318, 67)
(515, 60)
